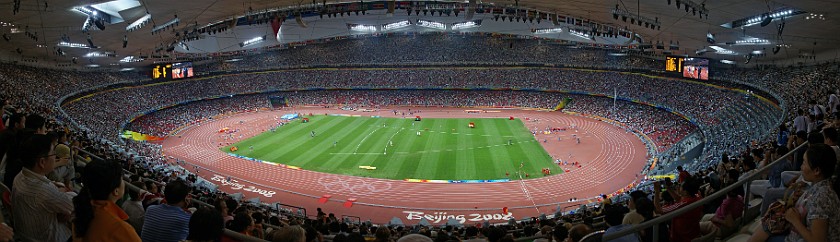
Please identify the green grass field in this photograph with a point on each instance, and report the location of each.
(446, 149)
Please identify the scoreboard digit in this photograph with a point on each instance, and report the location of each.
(674, 64)
(162, 71)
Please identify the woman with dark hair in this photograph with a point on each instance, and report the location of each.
(383, 234)
(97, 216)
(206, 225)
(153, 195)
(242, 223)
(815, 216)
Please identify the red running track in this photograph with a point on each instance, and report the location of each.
(609, 157)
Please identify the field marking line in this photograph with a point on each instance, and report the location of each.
(348, 153)
(363, 140)
(527, 193)
(389, 141)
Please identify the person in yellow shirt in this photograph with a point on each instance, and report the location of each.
(98, 218)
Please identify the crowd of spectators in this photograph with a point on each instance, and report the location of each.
(728, 119)
(161, 122)
(801, 87)
(436, 48)
(662, 127)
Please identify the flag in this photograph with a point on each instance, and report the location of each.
(276, 22)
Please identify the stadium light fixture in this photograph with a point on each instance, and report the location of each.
(763, 19)
(579, 34)
(723, 51)
(85, 10)
(73, 45)
(130, 59)
(396, 25)
(139, 23)
(636, 19)
(466, 25)
(547, 31)
(431, 24)
(362, 28)
(174, 22)
(94, 54)
(752, 41)
(253, 41)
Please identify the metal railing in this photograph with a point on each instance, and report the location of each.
(722, 192)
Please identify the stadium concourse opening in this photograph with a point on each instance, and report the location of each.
(343, 156)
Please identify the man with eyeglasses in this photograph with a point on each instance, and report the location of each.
(41, 209)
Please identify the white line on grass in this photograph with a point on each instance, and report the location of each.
(389, 141)
(363, 140)
(355, 153)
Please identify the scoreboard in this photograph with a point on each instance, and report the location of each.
(172, 70)
(674, 64)
(162, 71)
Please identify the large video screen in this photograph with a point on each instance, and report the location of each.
(696, 68)
(182, 70)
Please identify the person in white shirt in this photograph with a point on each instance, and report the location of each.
(800, 123)
(134, 207)
(833, 104)
(41, 208)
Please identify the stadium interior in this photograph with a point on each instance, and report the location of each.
(683, 120)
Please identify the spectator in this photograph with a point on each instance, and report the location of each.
(292, 233)
(633, 217)
(242, 223)
(383, 234)
(35, 124)
(152, 195)
(9, 141)
(41, 208)
(313, 235)
(683, 175)
(134, 207)
(411, 238)
(257, 230)
(815, 216)
(560, 233)
(169, 221)
(231, 206)
(724, 218)
(206, 225)
(97, 216)
(472, 235)
(684, 227)
(644, 207)
(800, 123)
(782, 135)
(613, 216)
(64, 171)
(577, 232)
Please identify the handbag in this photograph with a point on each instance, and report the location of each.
(774, 220)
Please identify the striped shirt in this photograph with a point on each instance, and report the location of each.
(37, 206)
(164, 223)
